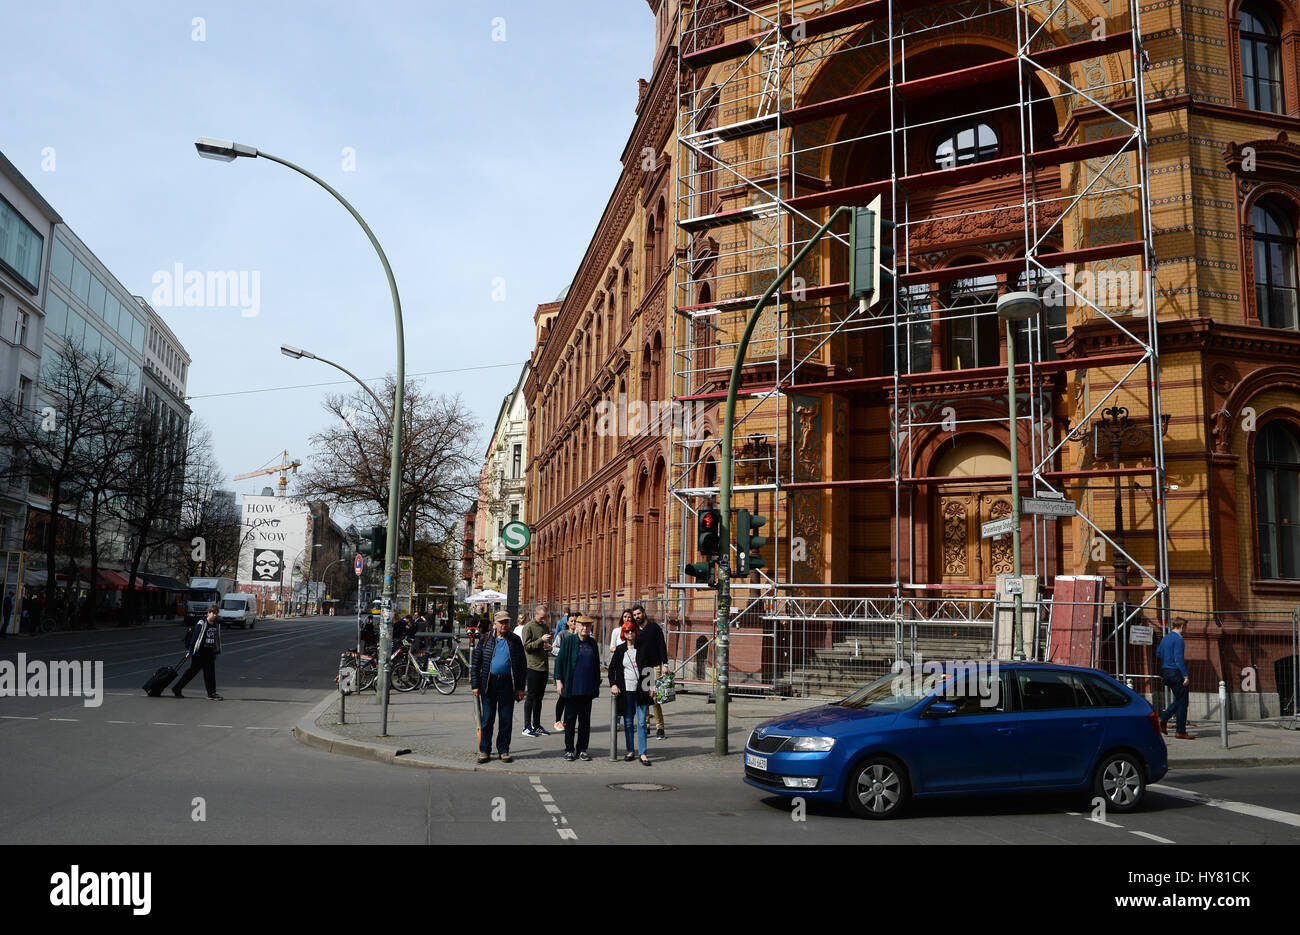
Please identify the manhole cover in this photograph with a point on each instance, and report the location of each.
(642, 787)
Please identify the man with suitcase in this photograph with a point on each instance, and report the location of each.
(204, 646)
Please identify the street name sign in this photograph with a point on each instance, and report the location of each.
(997, 527)
(1049, 507)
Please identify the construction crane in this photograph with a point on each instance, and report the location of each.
(283, 468)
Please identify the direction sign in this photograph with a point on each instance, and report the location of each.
(997, 527)
(1049, 507)
(516, 536)
(358, 563)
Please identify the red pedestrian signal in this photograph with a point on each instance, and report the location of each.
(708, 526)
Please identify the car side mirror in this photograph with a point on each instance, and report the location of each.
(941, 709)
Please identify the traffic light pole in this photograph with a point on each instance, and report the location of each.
(723, 623)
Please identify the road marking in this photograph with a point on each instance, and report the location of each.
(561, 823)
(15, 717)
(276, 728)
(174, 724)
(1241, 808)
(1153, 837)
(132, 722)
(78, 719)
(231, 727)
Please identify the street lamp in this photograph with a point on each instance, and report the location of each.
(297, 353)
(1014, 307)
(227, 151)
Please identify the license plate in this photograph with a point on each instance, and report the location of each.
(758, 762)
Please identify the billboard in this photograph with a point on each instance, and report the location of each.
(273, 541)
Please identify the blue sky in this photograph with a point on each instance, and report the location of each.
(474, 159)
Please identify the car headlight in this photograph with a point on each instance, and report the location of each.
(810, 744)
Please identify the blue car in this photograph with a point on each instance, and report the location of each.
(962, 728)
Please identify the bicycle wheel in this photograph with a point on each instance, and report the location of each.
(367, 675)
(444, 678)
(403, 676)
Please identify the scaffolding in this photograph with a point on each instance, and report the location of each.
(1008, 142)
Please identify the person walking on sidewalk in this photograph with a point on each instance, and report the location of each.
(1173, 669)
(630, 679)
(561, 631)
(497, 677)
(204, 644)
(652, 649)
(8, 613)
(537, 647)
(577, 678)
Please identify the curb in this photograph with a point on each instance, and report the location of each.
(1224, 762)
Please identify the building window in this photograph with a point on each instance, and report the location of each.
(1261, 56)
(517, 461)
(20, 328)
(1050, 324)
(514, 512)
(20, 246)
(24, 394)
(974, 338)
(914, 324)
(1277, 500)
(964, 143)
(1275, 267)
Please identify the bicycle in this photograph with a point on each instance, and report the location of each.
(410, 670)
(459, 657)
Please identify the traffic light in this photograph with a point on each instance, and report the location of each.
(871, 246)
(708, 526)
(748, 544)
(699, 570)
(374, 544)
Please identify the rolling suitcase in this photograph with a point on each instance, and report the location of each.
(161, 679)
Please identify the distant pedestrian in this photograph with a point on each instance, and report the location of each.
(8, 613)
(631, 680)
(497, 678)
(519, 626)
(577, 678)
(561, 631)
(204, 644)
(652, 651)
(537, 647)
(1173, 669)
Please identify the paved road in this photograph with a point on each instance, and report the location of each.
(139, 770)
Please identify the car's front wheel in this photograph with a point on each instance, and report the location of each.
(1121, 781)
(877, 788)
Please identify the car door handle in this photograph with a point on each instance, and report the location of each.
(1092, 723)
(1006, 730)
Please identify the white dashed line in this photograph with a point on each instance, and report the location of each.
(223, 726)
(1241, 808)
(121, 722)
(78, 719)
(561, 823)
(170, 723)
(269, 728)
(1153, 837)
(15, 717)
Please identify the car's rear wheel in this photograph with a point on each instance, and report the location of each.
(877, 788)
(1121, 781)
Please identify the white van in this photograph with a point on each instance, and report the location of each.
(238, 609)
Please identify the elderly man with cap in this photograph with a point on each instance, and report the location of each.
(497, 676)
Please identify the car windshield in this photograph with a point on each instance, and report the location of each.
(232, 605)
(896, 691)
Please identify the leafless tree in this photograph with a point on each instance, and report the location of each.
(209, 525)
(349, 462)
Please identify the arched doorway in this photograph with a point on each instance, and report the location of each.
(963, 557)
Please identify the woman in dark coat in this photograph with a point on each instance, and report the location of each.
(577, 679)
(630, 680)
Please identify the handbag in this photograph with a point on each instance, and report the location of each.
(665, 691)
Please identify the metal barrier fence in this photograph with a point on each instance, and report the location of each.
(826, 646)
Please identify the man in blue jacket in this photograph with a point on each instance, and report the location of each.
(1173, 669)
(497, 677)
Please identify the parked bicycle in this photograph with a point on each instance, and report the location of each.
(410, 669)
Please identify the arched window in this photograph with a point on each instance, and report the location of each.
(624, 302)
(1261, 58)
(1277, 500)
(651, 255)
(964, 143)
(662, 242)
(974, 335)
(702, 337)
(1275, 266)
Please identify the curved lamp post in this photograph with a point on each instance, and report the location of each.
(227, 151)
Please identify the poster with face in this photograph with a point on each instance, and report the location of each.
(273, 541)
(268, 565)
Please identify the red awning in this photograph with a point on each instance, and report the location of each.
(110, 580)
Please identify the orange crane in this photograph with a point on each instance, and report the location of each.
(283, 468)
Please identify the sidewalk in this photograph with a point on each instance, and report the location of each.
(101, 626)
(438, 731)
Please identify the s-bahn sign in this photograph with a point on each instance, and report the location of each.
(516, 536)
